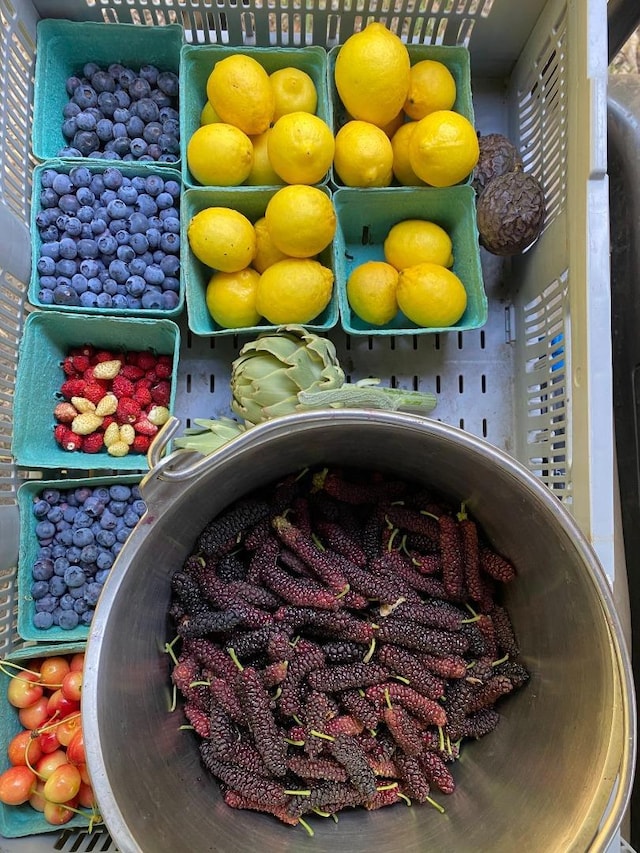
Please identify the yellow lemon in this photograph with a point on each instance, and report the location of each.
(402, 170)
(371, 291)
(231, 298)
(372, 74)
(416, 241)
(262, 172)
(222, 238)
(266, 253)
(363, 156)
(301, 147)
(392, 126)
(443, 149)
(208, 115)
(219, 154)
(241, 94)
(301, 220)
(431, 87)
(294, 290)
(294, 91)
(431, 295)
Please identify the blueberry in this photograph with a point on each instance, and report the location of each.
(170, 300)
(147, 205)
(74, 576)
(105, 538)
(62, 184)
(85, 121)
(86, 141)
(69, 128)
(45, 530)
(128, 194)
(171, 284)
(87, 249)
(55, 551)
(46, 604)
(104, 130)
(116, 208)
(83, 519)
(172, 187)
(108, 520)
(168, 83)
(123, 99)
(171, 126)
(92, 593)
(137, 266)
(73, 554)
(57, 586)
(152, 300)
(131, 517)
(85, 215)
(94, 505)
(171, 224)
(140, 88)
(69, 151)
(70, 110)
(161, 99)
(67, 601)
(89, 267)
(89, 554)
(112, 178)
(139, 242)
(135, 126)
(65, 537)
(105, 560)
(65, 268)
(88, 299)
(55, 514)
(83, 537)
(62, 525)
(49, 197)
(46, 217)
(119, 301)
(46, 266)
(103, 300)
(151, 135)
(168, 142)
(122, 237)
(107, 103)
(89, 69)
(102, 81)
(80, 605)
(121, 142)
(121, 115)
(64, 294)
(138, 183)
(170, 243)
(68, 203)
(51, 248)
(138, 146)
(107, 244)
(42, 569)
(42, 620)
(147, 110)
(125, 253)
(98, 226)
(79, 283)
(45, 296)
(109, 286)
(72, 83)
(153, 275)
(136, 286)
(68, 620)
(85, 96)
(39, 589)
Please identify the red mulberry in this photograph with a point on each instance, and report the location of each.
(236, 801)
(414, 781)
(360, 708)
(317, 768)
(334, 536)
(404, 729)
(496, 566)
(504, 633)
(304, 593)
(318, 561)
(256, 704)
(437, 772)
(485, 695)
(481, 723)
(427, 710)
(403, 663)
(451, 553)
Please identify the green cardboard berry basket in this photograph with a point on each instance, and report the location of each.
(63, 49)
(29, 547)
(362, 229)
(46, 340)
(455, 58)
(196, 64)
(96, 167)
(196, 275)
(20, 821)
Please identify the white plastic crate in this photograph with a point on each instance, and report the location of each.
(536, 380)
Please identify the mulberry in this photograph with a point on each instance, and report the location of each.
(481, 723)
(188, 593)
(504, 633)
(337, 625)
(256, 704)
(403, 663)
(485, 695)
(404, 729)
(360, 708)
(415, 636)
(433, 614)
(496, 566)
(343, 651)
(347, 676)
(471, 558)
(414, 781)
(295, 591)
(347, 752)
(230, 525)
(264, 791)
(451, 553)
(413, 521)
(303, 546)
(437, 772)
(426, 710)
(335, 537)
(317, 768)
(308, 656)
(199, 719)
(225, 697)
(236, 801)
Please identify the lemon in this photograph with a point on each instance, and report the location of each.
(371, 291)
(392, 126)
(219, 154)
(294, 290)
(416, 241)
(266, 253)
(431, 295)
(372, 74)
(431, 87)
(363, 156)
(402, 170)
(294, 91)
(222, 238)
(231, 298)
(241, 94)
(443, 149)
(301, 147)
(208, 115)
(301, 220)
(262, 172)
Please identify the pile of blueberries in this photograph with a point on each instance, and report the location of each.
(122, 114)
(80, 533)
(108, 240)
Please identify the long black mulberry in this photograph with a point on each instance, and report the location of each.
(230, 525)
(256, 704)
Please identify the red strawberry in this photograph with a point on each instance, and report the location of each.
(103, 355)
(161, 392)
(95, 391)
(64, 413)
(131, 371)
(128, 410)
(163, 370)
(146, 360)
(108, 420)
(94, 442)
(142, 395)
(87, 350)
(81, 363)
(88, 375)
(141, 444)
(73, 388)
(151, 376)
(122, 387)
(143, 426)
(66, 438)
(67, 367)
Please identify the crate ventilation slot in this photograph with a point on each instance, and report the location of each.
(542, 120)
(83, 842)
(547, 346)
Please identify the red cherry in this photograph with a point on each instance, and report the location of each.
(16, 784)
(22, 691)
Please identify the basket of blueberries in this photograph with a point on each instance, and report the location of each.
(72, 534)
(106, 238)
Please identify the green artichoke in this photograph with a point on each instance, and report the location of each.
(271, 371)
(208, 435)
(292, 370)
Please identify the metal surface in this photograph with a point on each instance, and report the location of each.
(623, 17)
(541, 782)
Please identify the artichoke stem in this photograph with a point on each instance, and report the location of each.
(367, 396)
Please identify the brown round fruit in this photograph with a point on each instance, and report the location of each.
(510, 213)
(498, 156)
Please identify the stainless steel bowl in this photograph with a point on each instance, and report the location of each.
(555, 775)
